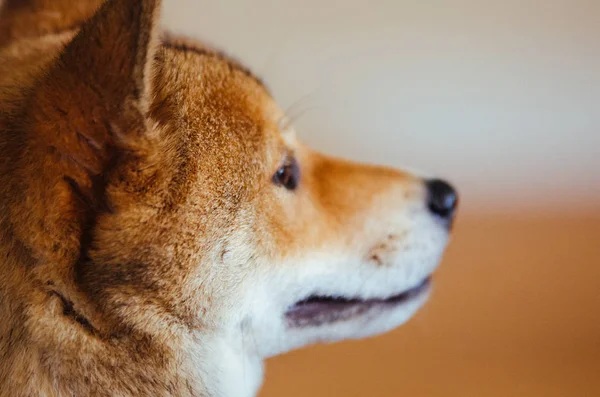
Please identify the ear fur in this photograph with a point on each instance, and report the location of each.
(22, 19)
(86, 111)
(101, 82)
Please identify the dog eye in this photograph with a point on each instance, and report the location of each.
(288, 175)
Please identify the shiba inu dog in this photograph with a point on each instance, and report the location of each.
(163, 230)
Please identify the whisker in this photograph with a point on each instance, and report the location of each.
(293, 119)
(303, 99)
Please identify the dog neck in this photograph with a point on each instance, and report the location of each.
(226, 366)
(50, 347)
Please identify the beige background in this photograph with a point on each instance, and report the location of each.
(501, 97)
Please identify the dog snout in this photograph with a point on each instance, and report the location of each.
(442, 200)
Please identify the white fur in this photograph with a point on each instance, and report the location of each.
(258, 327)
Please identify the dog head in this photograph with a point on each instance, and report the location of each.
(165, 192)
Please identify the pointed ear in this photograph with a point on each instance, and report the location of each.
(101, 83)
(85, 114)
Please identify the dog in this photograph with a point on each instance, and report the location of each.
(163, 231)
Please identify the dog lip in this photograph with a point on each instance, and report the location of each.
(318, 310)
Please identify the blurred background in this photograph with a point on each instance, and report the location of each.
(503, 99)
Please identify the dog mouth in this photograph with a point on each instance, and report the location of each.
(319, 310)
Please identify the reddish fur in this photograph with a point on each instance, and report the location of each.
(125, 169)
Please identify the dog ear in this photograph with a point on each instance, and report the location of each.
(35, 18)
(88, 112)
(96, 96)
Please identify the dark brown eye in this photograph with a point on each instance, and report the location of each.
(288, 175)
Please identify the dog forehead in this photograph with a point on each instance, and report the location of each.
(210, 92)
(216, 116)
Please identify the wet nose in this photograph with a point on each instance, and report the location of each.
(442, 199)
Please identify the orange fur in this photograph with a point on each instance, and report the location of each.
(136, 195)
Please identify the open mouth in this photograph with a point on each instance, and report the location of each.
(318, 310)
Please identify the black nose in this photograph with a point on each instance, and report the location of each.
(442, 199)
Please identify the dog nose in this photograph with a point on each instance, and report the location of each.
(442, 199)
